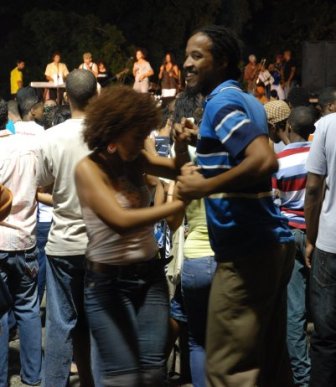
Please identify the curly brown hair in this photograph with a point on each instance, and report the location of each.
(115, 111)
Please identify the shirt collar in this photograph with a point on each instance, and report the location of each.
(220, 87)
(294, 145)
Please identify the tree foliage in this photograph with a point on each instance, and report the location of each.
(112, 29)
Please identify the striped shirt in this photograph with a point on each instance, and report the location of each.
(290, 181)
(241, 221)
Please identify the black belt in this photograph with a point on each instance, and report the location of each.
(139, 267)
(28, 251)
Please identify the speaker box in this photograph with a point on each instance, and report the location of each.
(318, 65)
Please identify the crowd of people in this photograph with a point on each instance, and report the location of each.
(269, 81)
(104, 190)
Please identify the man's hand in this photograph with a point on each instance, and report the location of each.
(309, 254)
(191, 185)
(189, 169)
(185, 133)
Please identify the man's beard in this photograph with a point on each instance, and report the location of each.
(192, 90)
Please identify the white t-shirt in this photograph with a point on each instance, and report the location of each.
(44, 213)
(28, 128)
(322, 161)
(60, 149)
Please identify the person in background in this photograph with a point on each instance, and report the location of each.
(289, 183)
(327, 100)
(48, 109)
(18, 252)
(88, 64)
(276, 85)
(288, 72)
(44, 219)
(61, 114)
(142, 70)
(277, 115)
(265, 78)
(199, 266)
(16, 78)
(251, 73)
(56, 72)
(13, 115)
(169, 76)
(60, 148)
(260, 93)
(326, 104)
(298, 96)
(104, 76)
(30, 108)
(320, 215)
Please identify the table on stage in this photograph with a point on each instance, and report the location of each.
(50, 85)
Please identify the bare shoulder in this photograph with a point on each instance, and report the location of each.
(88, 172)
(87, 169)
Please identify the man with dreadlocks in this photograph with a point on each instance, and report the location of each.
(246, 329)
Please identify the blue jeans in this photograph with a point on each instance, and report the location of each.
(19, 270)
(42, 231)
(66, 327)
(197, 274)
(323, 309)
(296, 314)
(127, 309)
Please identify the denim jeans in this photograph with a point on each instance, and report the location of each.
(296, 314)
(323, 309)
(19, 270)
(197, 274)
(127, 310)
(42, 231)
(65, 318)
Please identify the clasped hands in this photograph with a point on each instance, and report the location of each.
(190, 183)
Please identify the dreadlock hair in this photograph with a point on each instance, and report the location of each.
(225, 48)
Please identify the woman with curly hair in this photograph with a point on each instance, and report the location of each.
(126, 295)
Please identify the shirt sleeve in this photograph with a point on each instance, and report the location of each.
(48, 71)
(148, 67)
(317, 161)
(65, 70)
(234, 128)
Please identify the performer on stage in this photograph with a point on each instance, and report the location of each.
(169, 76)
(88, 64)
(142, 70)
(56, 72)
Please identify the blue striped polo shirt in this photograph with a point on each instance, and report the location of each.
(238, 222)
